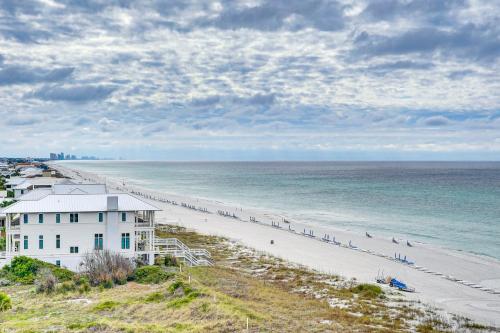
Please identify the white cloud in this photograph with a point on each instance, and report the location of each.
(273, 73)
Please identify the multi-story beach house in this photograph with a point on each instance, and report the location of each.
(61, 225)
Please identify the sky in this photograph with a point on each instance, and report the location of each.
(251, 79)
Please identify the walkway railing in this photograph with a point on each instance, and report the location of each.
(177, 249)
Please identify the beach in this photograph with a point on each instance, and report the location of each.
(457, 282)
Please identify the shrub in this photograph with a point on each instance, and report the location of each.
(184, 293)
(82, 282)
(66, 286)
(367, 290)
(106, 305)
(167, 260)
(170, 261)
(23, 270)
(151, 274)
(45, 281)
(155, 297)
(5, 302)
(105, 267)
(6, 203)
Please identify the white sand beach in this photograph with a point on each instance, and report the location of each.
(457, 282)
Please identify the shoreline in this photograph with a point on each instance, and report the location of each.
(273, 215)
(458, 282)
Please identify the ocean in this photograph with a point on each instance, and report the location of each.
(451, 204)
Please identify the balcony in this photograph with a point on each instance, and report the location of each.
(143, 221)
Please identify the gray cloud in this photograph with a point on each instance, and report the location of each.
(22, 121)
(436, 121)
(29, 75)
(436, 11)
(400, 65)
(469, 41)
(76, 94)
(458, 75)
(270, 15)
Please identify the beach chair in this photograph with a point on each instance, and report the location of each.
(368, 235)
(401, 285)
(394, 241)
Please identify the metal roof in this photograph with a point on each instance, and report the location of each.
(79, 189)
(37, 181)
(36, 194)
(59, 203)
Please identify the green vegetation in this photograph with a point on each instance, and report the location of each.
(5, 302)
(367, 290)
(106, 305)
(3, 243)
(183, 293)
(274, 296)
(6, 203)
(151, 274)
(24, 270)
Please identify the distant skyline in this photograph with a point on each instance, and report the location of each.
(251, 79)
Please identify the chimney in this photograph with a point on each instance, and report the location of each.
(112, 203)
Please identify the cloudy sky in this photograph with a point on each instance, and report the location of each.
(251, 79)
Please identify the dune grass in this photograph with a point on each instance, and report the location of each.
(272, 295)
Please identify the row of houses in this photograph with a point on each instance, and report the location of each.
(58, 220)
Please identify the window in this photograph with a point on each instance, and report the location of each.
(25, 242)
(124, 217)
(101, 217)
(58, 241)
(58, 218)
(73, 249)
(126, 241)
(40, 242)
(98, 242)
(58, 263)
(25, 218)
(40, 218)
(73, 218)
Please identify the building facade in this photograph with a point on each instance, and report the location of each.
(62, 228)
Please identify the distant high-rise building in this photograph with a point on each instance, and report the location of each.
(67, 157)
(73, 157)
(60, 156)
(53, 156)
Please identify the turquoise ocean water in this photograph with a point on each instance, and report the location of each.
(452, 204)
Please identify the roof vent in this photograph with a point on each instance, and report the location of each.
(112, 203)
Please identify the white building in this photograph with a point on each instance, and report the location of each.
(22, 185)
(62, 225)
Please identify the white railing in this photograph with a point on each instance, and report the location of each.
(176, 248)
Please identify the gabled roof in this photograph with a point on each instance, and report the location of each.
(64, 203)
(66, 188)
(79, 189)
